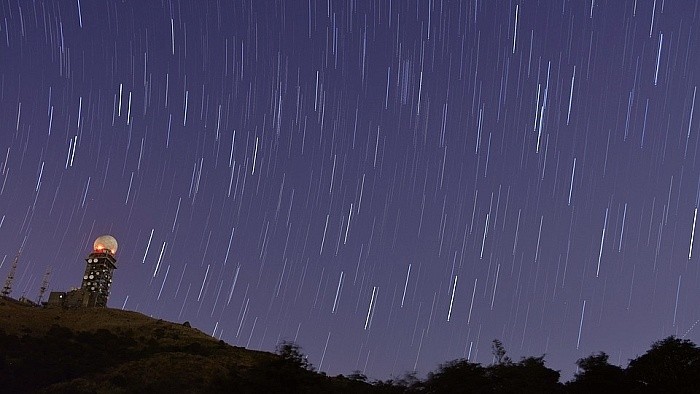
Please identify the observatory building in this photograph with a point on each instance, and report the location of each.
(97, 279)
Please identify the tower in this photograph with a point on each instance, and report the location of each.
(97, 278)
(44, 285)
(7, 289)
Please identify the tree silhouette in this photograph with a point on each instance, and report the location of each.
(597, 375)
(358, 375)
(529, 375)
(671, 365)
(458, 376)
(499, 352)
(291, 354)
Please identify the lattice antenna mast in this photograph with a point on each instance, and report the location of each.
(44, 285)
(7, 289)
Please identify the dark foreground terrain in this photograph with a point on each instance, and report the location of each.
(101, 350)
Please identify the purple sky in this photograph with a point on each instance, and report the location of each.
(392, 184)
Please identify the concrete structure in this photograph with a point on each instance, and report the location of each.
(97, 278)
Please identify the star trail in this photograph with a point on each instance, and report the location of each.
(390, 184)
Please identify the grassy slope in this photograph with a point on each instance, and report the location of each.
(108, 350)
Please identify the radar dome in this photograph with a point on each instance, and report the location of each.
(105, 243)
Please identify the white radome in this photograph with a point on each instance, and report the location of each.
(105, 242)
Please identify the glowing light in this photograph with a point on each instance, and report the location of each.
(105, 242)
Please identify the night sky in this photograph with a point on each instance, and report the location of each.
(391, 184)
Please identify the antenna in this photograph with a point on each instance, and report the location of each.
(7, 289)
(44, 285)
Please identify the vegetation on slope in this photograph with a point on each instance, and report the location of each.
(98, 350)
(105, 350)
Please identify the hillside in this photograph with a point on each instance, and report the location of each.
(103, 350)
